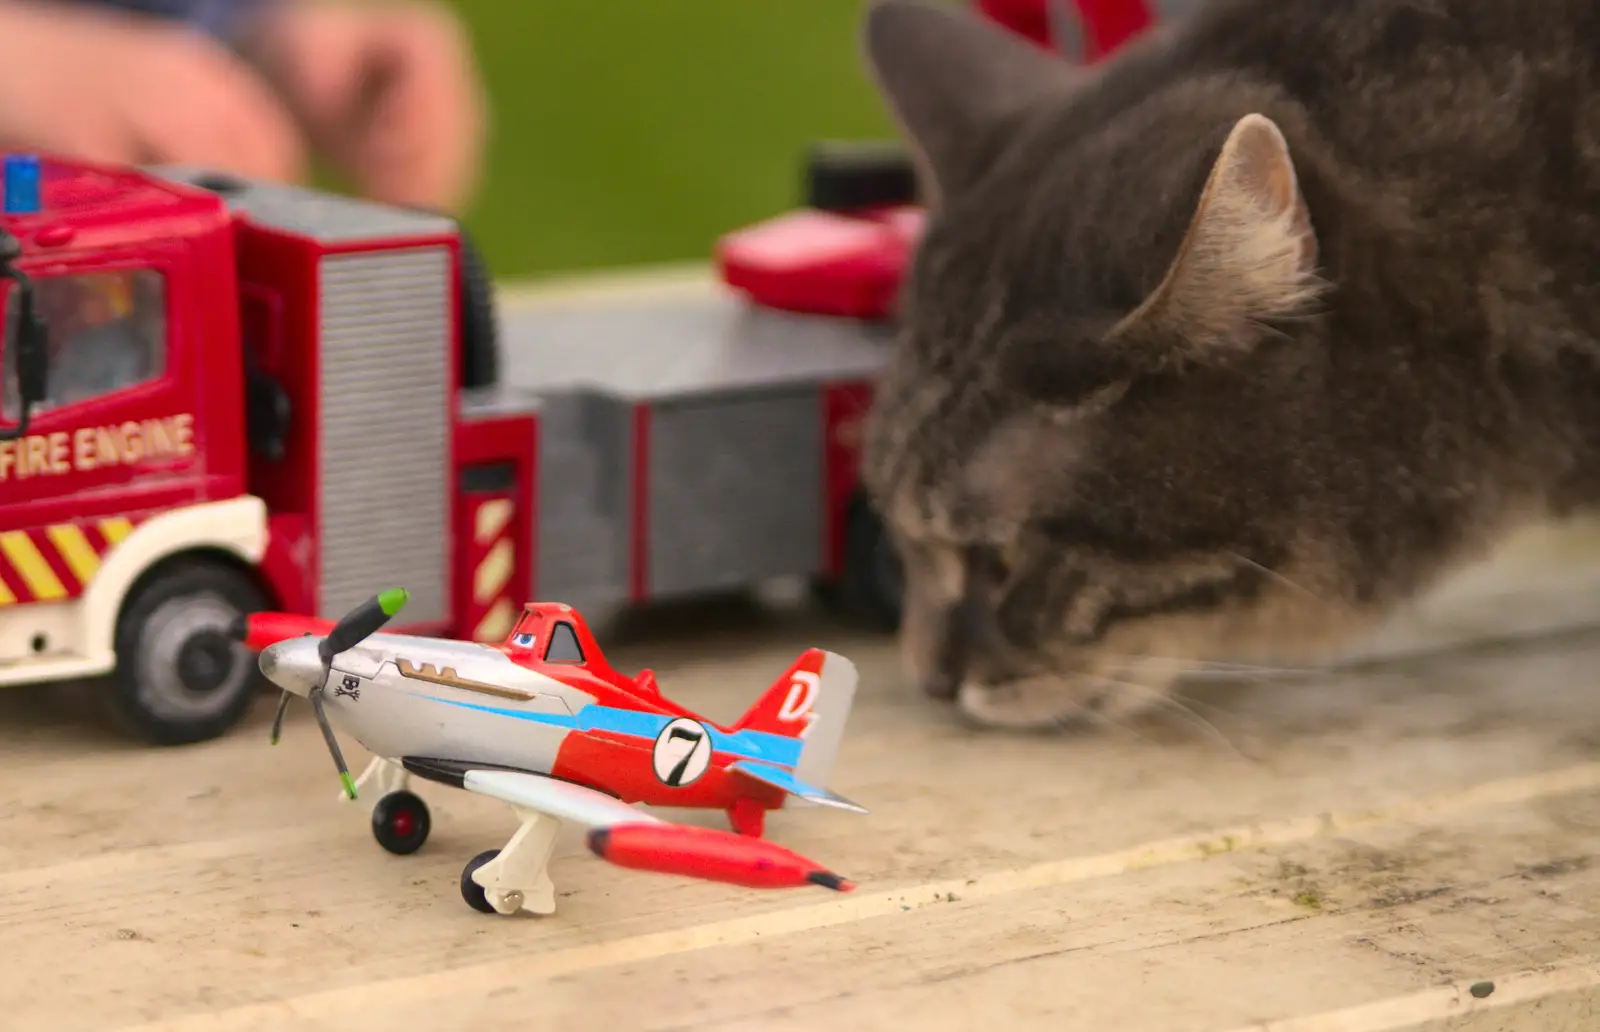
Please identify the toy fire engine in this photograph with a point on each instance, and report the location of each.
(223, 396)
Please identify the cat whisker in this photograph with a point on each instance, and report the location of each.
(1179, 707)
(1240, 674)
(1280, 578)
(1102, 720)
(1200, 704)
(1214, 666)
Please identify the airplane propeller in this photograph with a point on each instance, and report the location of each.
(352, 629)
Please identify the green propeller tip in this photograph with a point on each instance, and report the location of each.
(349, 784)
(390, 601)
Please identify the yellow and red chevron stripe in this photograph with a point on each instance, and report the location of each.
(493, 561)
(56, 562)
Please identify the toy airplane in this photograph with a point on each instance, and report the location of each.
(543, 723)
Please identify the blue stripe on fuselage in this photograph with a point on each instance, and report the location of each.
(752, 745)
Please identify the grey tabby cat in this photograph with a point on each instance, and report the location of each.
(1227, 347)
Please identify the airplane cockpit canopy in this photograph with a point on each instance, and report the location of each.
(564, 646)
(561, 644)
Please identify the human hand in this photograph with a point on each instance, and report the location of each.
(104, 85)
(388, 91)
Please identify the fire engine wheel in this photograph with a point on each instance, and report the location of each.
(182, 676)
(400, 822)
(480, 355)
(869, 589)
(471, 891)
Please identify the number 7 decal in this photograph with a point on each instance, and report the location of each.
(693, 738)
(682, 752)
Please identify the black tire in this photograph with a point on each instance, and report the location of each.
(869, 588)
(850, 176)
(401, 822)
(471, 891)
(480, 345)
(182, 675)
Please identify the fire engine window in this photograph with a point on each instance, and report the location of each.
(107, 331)
(563, 646)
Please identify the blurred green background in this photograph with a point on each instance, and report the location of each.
(637, 132)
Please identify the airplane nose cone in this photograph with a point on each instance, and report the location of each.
(293, 665)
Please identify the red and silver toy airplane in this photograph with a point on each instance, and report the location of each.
(543, 723)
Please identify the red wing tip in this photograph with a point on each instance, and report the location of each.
(829, 880)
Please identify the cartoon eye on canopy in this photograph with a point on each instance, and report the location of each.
(526, 631)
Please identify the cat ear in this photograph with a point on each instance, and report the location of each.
(946, 75)
(1249, 255)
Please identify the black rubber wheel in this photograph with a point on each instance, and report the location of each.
(400, 822)
(471, 891)
(869, 589)
(480, 346)
(847, 176)
(182, 675)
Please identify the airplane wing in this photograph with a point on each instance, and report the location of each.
(560, 799)
(784, 781)
(626, 837)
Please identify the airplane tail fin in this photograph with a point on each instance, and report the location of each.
(810, 702)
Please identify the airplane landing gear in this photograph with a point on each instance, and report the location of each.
(505, 881)
(400, 819)
(400, 822)
(384, 776)
(471, 891)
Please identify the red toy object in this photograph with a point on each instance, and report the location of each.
(543, 723)
(713, 855)
(228, 396)
(1084, 30)
(263, 629)
(823, 263)
(1030, 19)
(844, 255)
(1108, 24)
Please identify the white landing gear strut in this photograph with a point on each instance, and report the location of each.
(504, 881)
(380, 778)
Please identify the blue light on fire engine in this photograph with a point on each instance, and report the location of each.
(21, 184)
